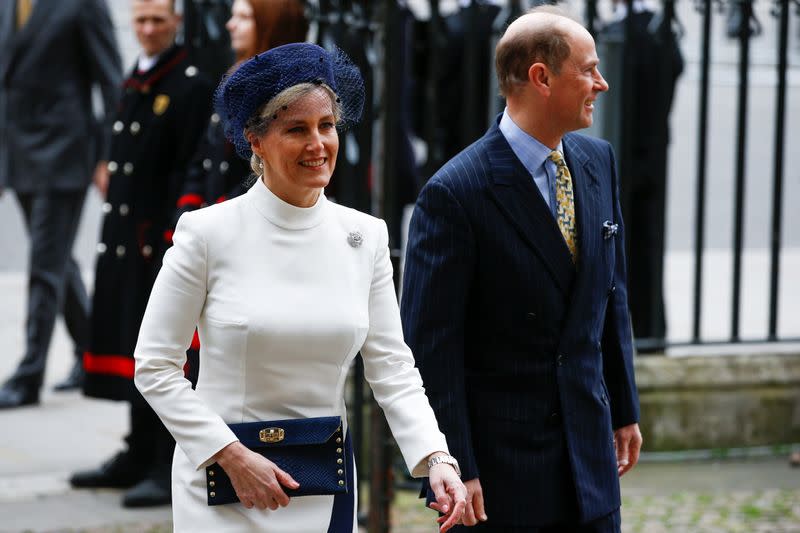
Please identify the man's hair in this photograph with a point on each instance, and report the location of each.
(548, 43)
(172, 6)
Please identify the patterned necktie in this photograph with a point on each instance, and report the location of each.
(23, 12)
(565, 204)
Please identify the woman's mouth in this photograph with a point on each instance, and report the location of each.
(313, 163)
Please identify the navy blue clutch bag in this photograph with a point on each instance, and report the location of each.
(311, 450)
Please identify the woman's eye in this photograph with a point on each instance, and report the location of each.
(327, 125)
(296, 129)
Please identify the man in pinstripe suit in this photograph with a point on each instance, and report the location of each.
(514, 298)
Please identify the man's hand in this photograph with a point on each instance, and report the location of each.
(474, 512)
(101, 177)
(627, 442)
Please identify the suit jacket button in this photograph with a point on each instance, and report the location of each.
(530, 317)
(560, 360)
(612, 289)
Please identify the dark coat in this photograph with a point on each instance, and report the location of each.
(156, 129)
(49, 136)
(526, 359)
(215, 173)
(656, 63)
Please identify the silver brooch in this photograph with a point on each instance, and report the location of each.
(355, 239)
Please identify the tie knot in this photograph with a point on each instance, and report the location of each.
(557, 158)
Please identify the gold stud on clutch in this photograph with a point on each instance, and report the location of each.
(211, 484)
(340, 471)
(338, 450)
(338, 461)
(212, 494)
(341, 483)
(338, 440)
(211, 473)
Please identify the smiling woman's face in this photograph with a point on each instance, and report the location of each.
(299, 148)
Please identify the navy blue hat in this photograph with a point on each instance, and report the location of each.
(261, 78)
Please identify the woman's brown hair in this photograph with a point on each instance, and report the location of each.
(277, 22)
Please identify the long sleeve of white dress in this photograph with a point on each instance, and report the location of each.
(390, 371)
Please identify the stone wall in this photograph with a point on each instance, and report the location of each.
(707, 402)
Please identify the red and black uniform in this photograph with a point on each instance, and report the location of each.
(215, 173)
(157, 127)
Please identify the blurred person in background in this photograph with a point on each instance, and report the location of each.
(51, 142)
(656, 63)
(156, 128)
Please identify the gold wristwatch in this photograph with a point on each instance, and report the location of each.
(447, 459)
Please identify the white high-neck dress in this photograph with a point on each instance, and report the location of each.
(283, 299)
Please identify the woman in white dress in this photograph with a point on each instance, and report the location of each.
(285, 289)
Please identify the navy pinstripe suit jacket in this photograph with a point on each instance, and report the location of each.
(526, 357)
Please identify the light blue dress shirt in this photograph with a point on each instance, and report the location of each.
(533, 156)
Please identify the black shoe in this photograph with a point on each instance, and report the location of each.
(74, 380)
(16, 395)
(120, 472)
(150, 492)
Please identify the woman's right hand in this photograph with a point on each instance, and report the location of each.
(258, 482)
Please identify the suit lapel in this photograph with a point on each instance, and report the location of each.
(512, 188)
(7, 31)
(30, 34)
(585, 185)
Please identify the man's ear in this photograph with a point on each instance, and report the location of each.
(539, 77)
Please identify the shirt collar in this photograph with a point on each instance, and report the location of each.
(528, 149)
(145, 62)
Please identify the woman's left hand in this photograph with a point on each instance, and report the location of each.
(451, 495)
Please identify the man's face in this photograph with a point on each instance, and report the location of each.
(575, 89)
(155, 23)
